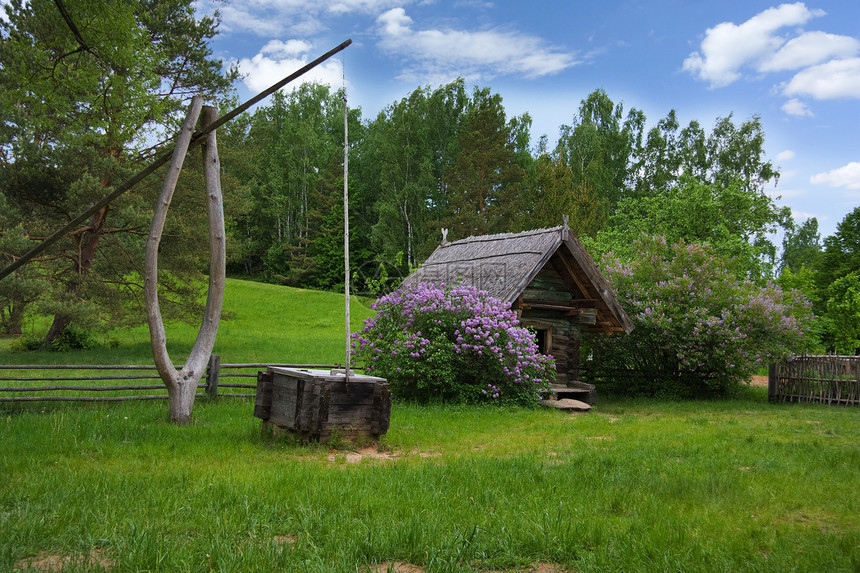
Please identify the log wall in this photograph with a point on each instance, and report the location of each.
(549, 285)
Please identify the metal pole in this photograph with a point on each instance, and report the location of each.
(346, 223)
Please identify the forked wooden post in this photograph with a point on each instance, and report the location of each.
(182, 385)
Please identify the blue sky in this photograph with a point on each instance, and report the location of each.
(796, 65)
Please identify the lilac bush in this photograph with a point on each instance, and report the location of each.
(452, 344)
(699, 330)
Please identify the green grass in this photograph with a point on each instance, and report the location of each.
(736, 485)
(263, 323)
(731, 485)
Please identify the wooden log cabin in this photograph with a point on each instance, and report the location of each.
(548, 278)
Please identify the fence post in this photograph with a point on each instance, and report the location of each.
(212, 372)
(772, 379)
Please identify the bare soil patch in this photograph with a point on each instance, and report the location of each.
(47, 562)
(372, 453)
(400, 567)
(759, 381)
(355, 457)
(396, 567)
(535, 568)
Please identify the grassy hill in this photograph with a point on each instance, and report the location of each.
(265, 323)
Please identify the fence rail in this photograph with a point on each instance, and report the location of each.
(831, 380)
(26, 391)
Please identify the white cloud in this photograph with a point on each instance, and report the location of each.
(296, 17)
(773, 42)
(483, 53)
(809, 49)
(847, 176)
(796, 107)
(285, 49)
(277, 59)
(362, 6)
(235, 18)
(798, 215)
(727, 47)
(835, 79)
(785, 155)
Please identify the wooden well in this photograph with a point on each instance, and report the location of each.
(315, 403)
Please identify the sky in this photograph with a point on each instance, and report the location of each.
(794, 65)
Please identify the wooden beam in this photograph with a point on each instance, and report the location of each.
(569, 304)
(197, 139)
(566, 270)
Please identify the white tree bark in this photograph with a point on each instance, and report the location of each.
(182, 385)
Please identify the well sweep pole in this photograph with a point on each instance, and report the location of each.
(196, 139)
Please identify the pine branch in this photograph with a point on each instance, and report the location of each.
(75, 32)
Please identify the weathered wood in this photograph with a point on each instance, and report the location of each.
(82, 398)
(263, 398)
(572, 304)
(212, 372)
(532, 264)
(74, 378)
(182, 385)
(159, 161)
(158, 336)
(83, 388)
(316, 403)
(832, 380)
(76, 367)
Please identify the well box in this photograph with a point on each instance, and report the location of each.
(314, 403)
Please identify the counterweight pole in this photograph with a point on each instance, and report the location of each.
(196, 139)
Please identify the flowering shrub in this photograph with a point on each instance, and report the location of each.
(453, 344)
(699, 330)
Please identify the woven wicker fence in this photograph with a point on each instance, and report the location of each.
(831, 380)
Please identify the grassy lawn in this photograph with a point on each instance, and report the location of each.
(731, 485)
(262, 323)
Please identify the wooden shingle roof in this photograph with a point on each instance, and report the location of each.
(505, 264)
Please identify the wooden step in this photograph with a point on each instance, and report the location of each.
(575, 391)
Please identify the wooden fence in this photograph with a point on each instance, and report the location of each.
(824, 379)
(42, 383)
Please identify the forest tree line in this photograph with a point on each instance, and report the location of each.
(78, 118)
(447, 157)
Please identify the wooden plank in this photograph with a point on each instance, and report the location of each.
(565, 304)
(263, 399)
(81, 399)
(286, 401)
(86, 388)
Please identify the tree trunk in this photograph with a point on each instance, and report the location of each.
(87, 243)
(57, 327)
(182, 385)
(180, 398)
(13, 321)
